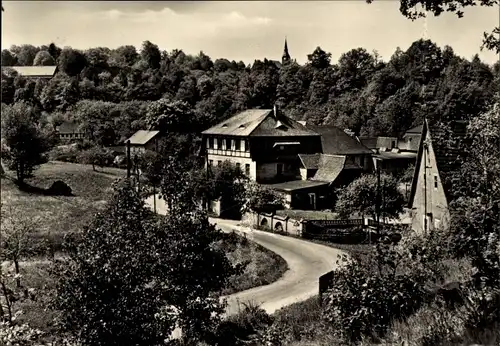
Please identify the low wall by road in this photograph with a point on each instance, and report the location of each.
(276, 223)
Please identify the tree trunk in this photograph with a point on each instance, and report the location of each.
(7, 301)
(18, 280)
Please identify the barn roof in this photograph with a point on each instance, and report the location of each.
(34, 71)
(336, 142)
(142, 137)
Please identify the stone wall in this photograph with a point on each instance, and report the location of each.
(276, 223)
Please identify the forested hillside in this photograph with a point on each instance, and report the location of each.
(114, 92)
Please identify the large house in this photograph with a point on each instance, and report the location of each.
(437, 162)
(263, 143)
(300, 161)
(34, 72)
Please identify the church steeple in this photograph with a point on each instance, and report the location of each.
(286, 56)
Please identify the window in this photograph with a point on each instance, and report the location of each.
(216, 143)
(435, 181)
(393, 144)
(238, 166)
(243, 146)
(362, 161)
(211, 162)
(233, 144)
(246, 146)
(219, 163)
(210, 143)
(223, 144)
(437, 223)
(237, 145)
(247, 169)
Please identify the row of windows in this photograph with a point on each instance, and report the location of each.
(238, 165)
(71, 135)
(227, 144)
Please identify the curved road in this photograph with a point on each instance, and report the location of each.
(306, 261)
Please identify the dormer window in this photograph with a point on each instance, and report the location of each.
(224, 126)
(242, 126)
(279, 124)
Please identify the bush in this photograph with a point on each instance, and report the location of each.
(366, 296)
(60, 188)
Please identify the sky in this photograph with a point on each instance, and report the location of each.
(239, 30)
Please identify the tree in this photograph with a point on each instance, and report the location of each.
(319, 58)
(43, 58)
(130, 278)
(413, 9)
(54, 51)
(262, 199)
(170, 116)
(25, 54)
(15, 235)
(228, 183)
(113, 288)
(24, 144)
(8, 59)
(72, 61)
(96, 156)
(360, 196)
(475, 222)
(150, 53)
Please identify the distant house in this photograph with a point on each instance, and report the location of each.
(69, 130)
(436, 164)
(144, 140)
(390, 154)
(34, 72)
(411, 139)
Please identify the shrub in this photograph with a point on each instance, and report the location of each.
(60, 188)
(367, 295)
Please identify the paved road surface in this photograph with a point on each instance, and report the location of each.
(306, 261)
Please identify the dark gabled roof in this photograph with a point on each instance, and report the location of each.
(259, 123)
(369, 142)
(414, 131)
(449, 145)
(310, 161)
(34, 71)
(142, 137)
(336, 142)
(68, 127)
(329, 168)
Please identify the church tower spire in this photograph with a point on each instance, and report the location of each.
(286, 56)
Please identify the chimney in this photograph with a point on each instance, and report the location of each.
(275, 111)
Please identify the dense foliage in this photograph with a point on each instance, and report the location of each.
(23, 142)
(113, 93)
(361, 196)
(130, 278)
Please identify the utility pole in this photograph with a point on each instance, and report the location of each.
(378, 197)
(425, 187)
(128, 159)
